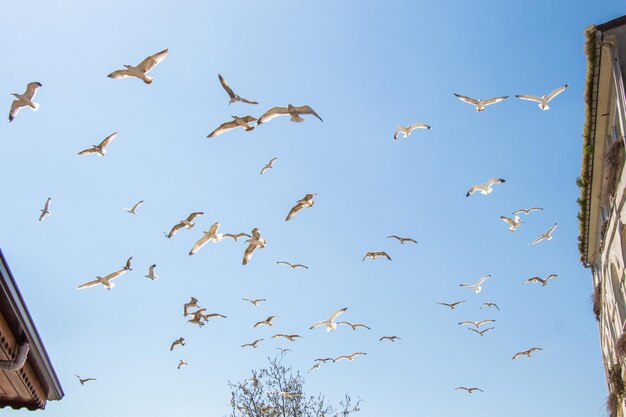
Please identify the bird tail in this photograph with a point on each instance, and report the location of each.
(147, 80)
(544, 107)
(35, 106)
(296, 118)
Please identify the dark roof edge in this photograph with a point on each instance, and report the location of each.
(620, 21)
(37, 351)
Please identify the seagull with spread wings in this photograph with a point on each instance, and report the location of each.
(266, 322)
(546, 236)
(402, 239)
(83, 380)
(293, 111)
(193, 303)
(354, 325)
(349, 357)
(477, 287)
(543, 100)
(477, 324)
(197, 317)
(543, 282)
(527, 211)
(306, 201)
(210, 234)
(486, 188)
(142, 69)
(133, 209)
(290, 337)
(151, 274)
(469, 390)
(513, 223)
(526, 352)
(490, 305)
(24, 100)
(233, 97)
(255, 301)
(480, 104)
(481, 332)
(452, 305)
(46, 210)
(330, 326)
(185, 223)
(255, 242)
(182, 363)
(99, 149)
(374, 255)
(234, 124)
(390, 338)
(407, 130)
(104, 281)
(269, 165)
(253, 344)
(178, 342)
(236, 236)
(293, 266)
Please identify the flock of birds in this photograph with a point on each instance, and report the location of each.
(197, 315)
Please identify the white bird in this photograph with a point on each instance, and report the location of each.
(402, 239)
(267, 321)
(527, 211)
(485, 188)
(101, 148)
(546, 236)
(293, 111)
(182, 363)
(543, 100)
(269, 165)
(185, 223)
(210, 234)
(255, 301)
(349, 357)
(526, 352)
(151, 274)
(253, 344)
(330, 326)
(293, 266)
(133, 209)
(46, 210)
(105, 280)
(193, 303)
(306, 201)
(290, 337)
(355, 325)
(374, 255)
(543, 282)
(406, 131)
(233, 124)
(253, 243)
(477, 324)
(233, 97)
(142, 69)
(24, 100)
(178, 342)
(83, 380)
(480, 104)
(477, 287)
(513, 223)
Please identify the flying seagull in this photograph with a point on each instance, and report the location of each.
(406, 131)
(477, 324)
(268, 165)
(290, 337)
(349, 357)
(293, 266)
(151, 274)
(543, 100)
(526, 352)
(186, 223)
(197, 317)
(469, 390)
(355, 325)
(374, 255)
(293, 111)
(477, 287)
(491, 305)
(105, 280)
(543, 282)
(133, 209)
(390, 338)
(480, 104)
(283, 350)
(253, 344)
(142, 69)
(330, 326)
(182, 363)
(101, 148)
(481, 332)
(236, 236)
(178, 342)
(402, 239)
(324, 360)
(306, 201)
(233, 97)
(546, 236)
(486, 188)
(210, 234)
(256, 241)
(83, 380)
(233, 124)
(267, 321)
(527, 211)
(24, 100)
(193, 303)
(255, 301)
(513, 223)
(128, 265)
(314, 367)
(46, 210)
(452, 305)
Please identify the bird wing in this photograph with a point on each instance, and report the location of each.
(539, 239)
(46, 206)
(316, 325)
(533, 279)
(245, 100)
(273, 113)
(256, 235)
(531, 350)
(549, 232)
(15, 109)
(507, 220)
(552, 94)
(299, 266)
(398, 130)
(338, 358)
(518, 354)
(88, 151)
(248, 253)
(418, 126)
(224, 127)
(493, 100)
(336, 314)
(483, 279)
(283, 263)
(530, 210)
(175, 229)
(199, 244)
(119, 74)
(31, 90)
(529, 98)
(294, 210)
(194, 215)
(147, 64)
(226, 87)
(385, 255)
(214, 227)
(473, 189)
(473, 323)
(480, 323)
(474, 330)
(88, 284)
(307, 110)
(105, 142)
(494, 181)
(466, 99)
(136, 206)
(114, 275)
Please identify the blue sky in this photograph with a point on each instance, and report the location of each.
(366, 68)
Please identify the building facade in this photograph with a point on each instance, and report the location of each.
(602, 216)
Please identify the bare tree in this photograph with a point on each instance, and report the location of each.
(276, 391)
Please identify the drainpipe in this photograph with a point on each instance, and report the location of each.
(19, 361)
